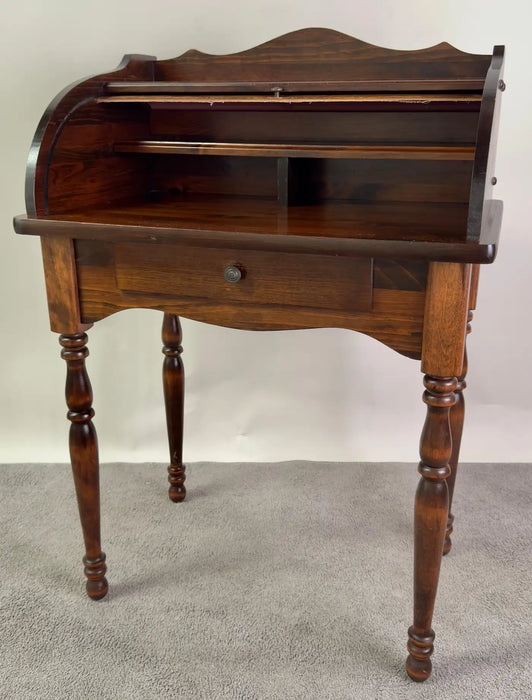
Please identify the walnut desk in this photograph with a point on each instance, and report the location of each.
(313, 181)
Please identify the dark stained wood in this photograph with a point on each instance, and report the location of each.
(174, 396)
(84, 458)
(451, 251)
(341, 184)
(85, 170)
(475, 275)
(320, 180)
(370, 127)
(61, 285)
(328, 55)
(58, 113)
(284, 180)
(431, 508)
(150, 96)
(298, 150)
(483, 169)
(392, 230)
(408, 275)
(396, 317)
(393, 221)
(444, 331)
(446, 309)
(221, 176)
(456, 417)
(281, 88)
(313, 281)
(358, 102)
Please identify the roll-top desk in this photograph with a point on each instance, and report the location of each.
(313, 181)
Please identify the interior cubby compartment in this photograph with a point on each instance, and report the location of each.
(111, 152)
(212, 175)
(304, 181)
(312, 181)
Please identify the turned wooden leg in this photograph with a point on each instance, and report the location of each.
(84, 458)
(431, 509)
(457, 424)
(174, 392)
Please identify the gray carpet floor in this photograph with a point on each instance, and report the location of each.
(272, 581)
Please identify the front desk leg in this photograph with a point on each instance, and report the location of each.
(84, 457)
(430, 518)
(174, 394)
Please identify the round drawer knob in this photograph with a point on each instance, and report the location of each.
(232, 274)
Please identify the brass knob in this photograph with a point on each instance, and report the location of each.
(232, 274)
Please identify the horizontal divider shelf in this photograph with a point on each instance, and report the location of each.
(345, 86)
(272, 150)
(426, 98)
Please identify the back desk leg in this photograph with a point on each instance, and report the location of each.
(430, 518)
(84, 457)
(458, 410)
(174, 393)
(457, 424)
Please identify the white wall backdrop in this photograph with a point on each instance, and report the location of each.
(315, 394)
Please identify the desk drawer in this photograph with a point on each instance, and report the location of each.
(266, 277)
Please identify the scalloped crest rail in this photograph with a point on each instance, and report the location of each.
(312, 181)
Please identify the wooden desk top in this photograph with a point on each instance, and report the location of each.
(432, 231)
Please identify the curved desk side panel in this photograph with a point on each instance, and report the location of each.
(132, 67)
(481, 209)
(58, 253)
